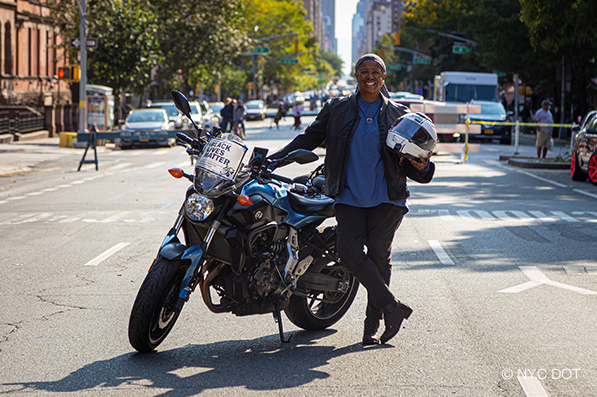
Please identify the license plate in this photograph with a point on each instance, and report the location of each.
(143, 140)
(488, 132)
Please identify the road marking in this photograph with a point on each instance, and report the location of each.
(445, 215)
(585, 193)
(485, 215)
(119, 166)
(153, 165)
(563, 216)
(502, 215)
(538, 278)
(542, 217)
(443, 257)
(575, 270)
(542, 179)
(106, 254)
(466, 215)
(521, 215)
(16, 198)
(531, 386)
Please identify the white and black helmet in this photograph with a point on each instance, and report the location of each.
(412, 135)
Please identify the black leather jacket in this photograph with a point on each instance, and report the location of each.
(335, 124)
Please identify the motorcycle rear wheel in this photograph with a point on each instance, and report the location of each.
(321, 310)
(152, 317)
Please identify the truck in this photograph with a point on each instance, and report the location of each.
(465, 86)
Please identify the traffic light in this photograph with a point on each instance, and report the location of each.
(396, 38)
(70, 73)
(65, 73)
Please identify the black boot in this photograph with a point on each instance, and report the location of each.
(370, 335)
(394, 314)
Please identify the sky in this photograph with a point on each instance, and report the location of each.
(345, 9)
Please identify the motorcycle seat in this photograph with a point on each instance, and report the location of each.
(322, 205)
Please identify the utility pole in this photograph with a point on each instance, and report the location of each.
(254, 61)
(83, 69)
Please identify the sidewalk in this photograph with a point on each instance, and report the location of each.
(23, 157)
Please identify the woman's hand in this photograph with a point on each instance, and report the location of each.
(422, 164)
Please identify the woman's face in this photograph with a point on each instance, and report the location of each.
(369, 77)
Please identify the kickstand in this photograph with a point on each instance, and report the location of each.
(278, 319)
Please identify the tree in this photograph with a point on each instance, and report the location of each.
(125, 31)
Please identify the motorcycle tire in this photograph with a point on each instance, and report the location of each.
(312, 313)
(152, 316)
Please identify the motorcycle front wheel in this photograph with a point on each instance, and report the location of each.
(152, 316)
(321, 309)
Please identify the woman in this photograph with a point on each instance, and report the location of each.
(239, 120)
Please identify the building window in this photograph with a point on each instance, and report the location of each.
(7, 49)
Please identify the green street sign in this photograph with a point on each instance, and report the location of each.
(289, 61)
(460, 49)
(394, 67)
(422, 61)
(260, 50)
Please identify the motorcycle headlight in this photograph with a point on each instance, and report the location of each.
(198, 207)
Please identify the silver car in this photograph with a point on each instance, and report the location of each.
(146, 127)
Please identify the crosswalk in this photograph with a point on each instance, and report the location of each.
(509, 215)
(84, 217)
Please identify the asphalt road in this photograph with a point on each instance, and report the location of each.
(498, 263)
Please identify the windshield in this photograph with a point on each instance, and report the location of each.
(253, 106)
(466, 93)
(493, 109)
(171, 110)
(195, 109)
(218, 165)
(146, 117)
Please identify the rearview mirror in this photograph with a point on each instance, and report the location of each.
(302, 156)
(181, 103)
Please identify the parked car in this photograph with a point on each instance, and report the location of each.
(490, 113)
(203, 116)
(174, 115)
(584, 155)
(216, 107)
(146, 127)
(255, 110)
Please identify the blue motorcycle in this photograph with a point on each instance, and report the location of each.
(253, 243)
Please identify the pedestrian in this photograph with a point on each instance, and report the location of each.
(368, 181)
(279, 114)
(296, 112)
(239, 119)
(226, 114)
(543, 116)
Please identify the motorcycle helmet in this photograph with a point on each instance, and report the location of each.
(412, 135)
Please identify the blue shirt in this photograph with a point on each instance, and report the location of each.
(366, 184)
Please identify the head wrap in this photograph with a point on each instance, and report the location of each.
(380, 62)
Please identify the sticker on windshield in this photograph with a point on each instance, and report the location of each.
(222, 157)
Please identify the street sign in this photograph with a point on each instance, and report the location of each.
(289, 61)
(460, 49)
(395, 67)
(425, 61)
(91, 43)
(260, 50)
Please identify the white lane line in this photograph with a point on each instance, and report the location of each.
(521, 214)
(564, 216)
(541, 216)
(115, 217)
(575, 271)
(466, 215)
(531, 386)
(538, 278)
(485, 215)
(153, 165)
(16, 198)
(106, 254)
(443, 257)
(542, 179)
(3, 201)
(585, 193)
(445, 215)
(34, 218)
(34, 193)
(119, 166)
(502, 215)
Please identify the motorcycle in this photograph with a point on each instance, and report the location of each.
(253, 243)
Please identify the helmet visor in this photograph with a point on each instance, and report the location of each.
(414, 132)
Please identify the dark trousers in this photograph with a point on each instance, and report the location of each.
(375, 228)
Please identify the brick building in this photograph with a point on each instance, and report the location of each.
(30, 56)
